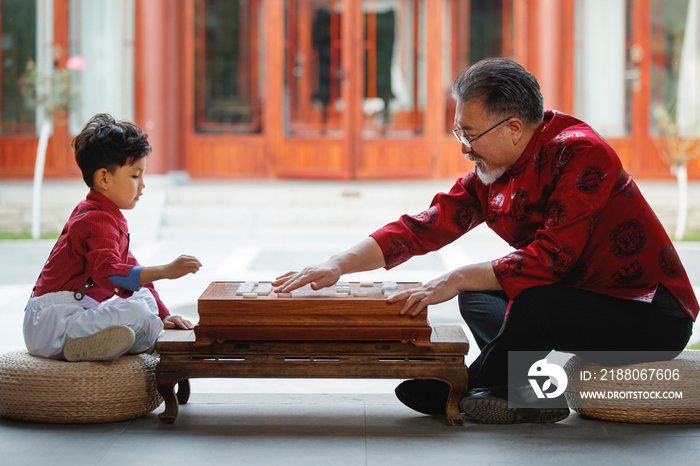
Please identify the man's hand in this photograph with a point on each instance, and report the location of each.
(470, 277)
(320, 276)
(171, 322)
(434, 292)
(365, 255)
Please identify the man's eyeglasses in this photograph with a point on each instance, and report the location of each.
(468, 142)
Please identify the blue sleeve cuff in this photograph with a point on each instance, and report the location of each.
(130, 282)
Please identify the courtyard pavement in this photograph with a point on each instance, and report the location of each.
(256, 230)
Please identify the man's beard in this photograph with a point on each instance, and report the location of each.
(490, 177)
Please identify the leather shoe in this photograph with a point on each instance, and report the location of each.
(490, 406)
(426, 396)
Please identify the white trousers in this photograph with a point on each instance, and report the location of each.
(54, 318)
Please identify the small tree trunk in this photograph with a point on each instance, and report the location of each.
(44, 135)
(682, 179)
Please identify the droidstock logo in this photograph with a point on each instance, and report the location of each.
(543, 368)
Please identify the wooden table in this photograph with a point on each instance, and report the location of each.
(181, 360)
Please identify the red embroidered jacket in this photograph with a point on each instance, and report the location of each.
(94, 245)
(570, 211)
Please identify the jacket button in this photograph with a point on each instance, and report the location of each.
(116, 290)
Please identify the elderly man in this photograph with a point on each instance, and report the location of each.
(592, 268)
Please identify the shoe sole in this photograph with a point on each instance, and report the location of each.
(488, 410)
(107, 344)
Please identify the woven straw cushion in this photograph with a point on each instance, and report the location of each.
(688, 362)
(45, 390)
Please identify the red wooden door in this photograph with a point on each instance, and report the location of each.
(316, 134)
(355, 90)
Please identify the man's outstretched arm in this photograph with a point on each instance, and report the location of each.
(365, 255)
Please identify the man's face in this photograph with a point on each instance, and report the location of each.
(491, 153)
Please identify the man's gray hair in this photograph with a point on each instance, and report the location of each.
(504, 88)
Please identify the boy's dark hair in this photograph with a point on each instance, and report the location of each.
(108, 143)
(504, 88)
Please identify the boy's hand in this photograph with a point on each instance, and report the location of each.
(171, 322)
(176, 269)
(182, 266)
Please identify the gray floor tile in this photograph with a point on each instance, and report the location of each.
(259, 419)
(224, 448)
(32, 444)
(495, 448)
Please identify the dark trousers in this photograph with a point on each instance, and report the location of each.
(563, 318)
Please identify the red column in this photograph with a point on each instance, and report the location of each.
(151, 103)
(435, 118)
(545, 48)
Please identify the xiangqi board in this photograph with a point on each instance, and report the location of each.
(358, 311)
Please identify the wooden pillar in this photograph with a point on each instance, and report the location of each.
(521, 27)
(435, 100)
(353, 31)
(273, 114)
(547, 53)
(642, 144)
(151, 106)
(544, 45)
(175, 86)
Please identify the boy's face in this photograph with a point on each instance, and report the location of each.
(125, 185)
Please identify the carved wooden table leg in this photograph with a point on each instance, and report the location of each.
(166, 387)
(183, 391)
(458, 386)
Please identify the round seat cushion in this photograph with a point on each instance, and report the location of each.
(642, 411)
(45, 390)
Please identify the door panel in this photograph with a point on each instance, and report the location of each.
(355, 90)
(316, 123)
(313, 73)
(392, 139)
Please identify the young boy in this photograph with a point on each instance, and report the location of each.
(71, 314)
